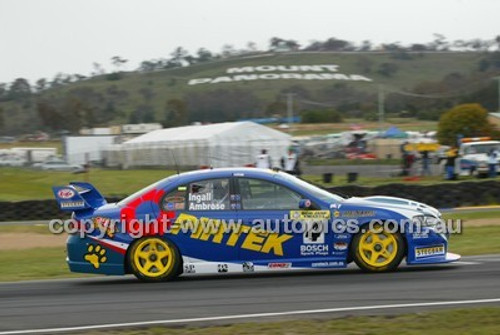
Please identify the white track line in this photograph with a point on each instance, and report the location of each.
(247, 316)
(466, 263)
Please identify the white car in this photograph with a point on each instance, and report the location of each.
(473, 156)
(58, 165)
(14, 161)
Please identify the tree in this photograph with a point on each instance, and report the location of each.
(321, 116)
(204, 55)
(2, 120)
(178, 57)
(176, 113)
(41, 85)
(468, 120)
(19, 89)
(117, 61)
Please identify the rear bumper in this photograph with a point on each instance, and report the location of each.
(88, 256)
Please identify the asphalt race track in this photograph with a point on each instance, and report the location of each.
(95, 301)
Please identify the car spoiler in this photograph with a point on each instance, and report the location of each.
(78, 196)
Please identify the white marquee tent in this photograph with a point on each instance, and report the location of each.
(218, 145)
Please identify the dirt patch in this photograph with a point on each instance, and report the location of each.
(19, 241)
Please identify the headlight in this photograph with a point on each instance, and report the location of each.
(426, 221)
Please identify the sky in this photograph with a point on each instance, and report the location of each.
(39, 38)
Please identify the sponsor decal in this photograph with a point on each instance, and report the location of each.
(429, 251)
(336, 214)
(341, 236)
(340, 246)
(248, 267)
(326, 264)
(103, 224)
(314, 233)
(65, 193)
(358, 213)
(72, 204)
(222, 268)
(420, 235)
(96, 255)
(314, 250)
(204, 202)
(217, 231)
(189, 268)
(182, 188)
(310, 215)
(279, 265)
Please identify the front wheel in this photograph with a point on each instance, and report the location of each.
(378, 250)
(154, 259)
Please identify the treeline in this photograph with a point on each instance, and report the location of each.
(55, 105)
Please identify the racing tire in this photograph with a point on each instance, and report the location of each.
(378, 250)
(154, 259)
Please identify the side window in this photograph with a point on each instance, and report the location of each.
(175, 200)
(209, 195)
(262, 194)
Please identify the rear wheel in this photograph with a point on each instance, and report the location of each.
(378, 250)
(154, 259)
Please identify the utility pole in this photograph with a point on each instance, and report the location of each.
(381, 102)
(289, 110)
(498, 78)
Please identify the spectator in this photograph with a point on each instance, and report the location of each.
(291, 163)
(264, 160)
(424, 155)
(451, 156)
(492, 163)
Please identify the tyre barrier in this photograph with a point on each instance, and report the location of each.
(438, 195)
(34, 210)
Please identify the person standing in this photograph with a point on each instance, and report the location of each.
(424, 155)
(291, 163)
(492, 163)
(451, 156)
(264, 160)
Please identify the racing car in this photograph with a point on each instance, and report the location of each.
(219, 221)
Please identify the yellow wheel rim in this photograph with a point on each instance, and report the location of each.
(153, 257)
(378, 248)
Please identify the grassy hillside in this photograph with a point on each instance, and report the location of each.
(113, 101)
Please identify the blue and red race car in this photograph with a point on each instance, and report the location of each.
(244, 220)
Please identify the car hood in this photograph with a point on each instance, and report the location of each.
(404, 206)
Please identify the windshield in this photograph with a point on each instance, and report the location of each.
(482, 148)
(311, 189)
(143, 191)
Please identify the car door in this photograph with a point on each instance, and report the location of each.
(202, 213)
(287, 240)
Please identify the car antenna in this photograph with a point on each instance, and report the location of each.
(175, 162)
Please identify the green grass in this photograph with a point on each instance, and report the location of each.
(487, 214)
(36, 263)
(483, 320)
(23, 184)
(476, 241)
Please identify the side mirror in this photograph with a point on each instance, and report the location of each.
(305, 204)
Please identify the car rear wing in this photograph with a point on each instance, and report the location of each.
(78, 196)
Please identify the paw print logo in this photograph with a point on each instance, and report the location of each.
(96, 255)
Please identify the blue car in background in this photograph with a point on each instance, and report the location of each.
(244, 220)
